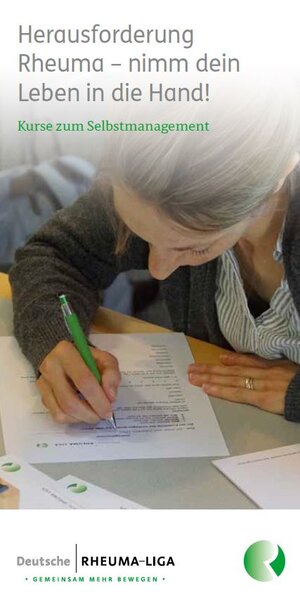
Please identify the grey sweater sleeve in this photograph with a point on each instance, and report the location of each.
(292, 400)
(72, 254)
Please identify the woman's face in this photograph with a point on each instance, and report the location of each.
(170, 245)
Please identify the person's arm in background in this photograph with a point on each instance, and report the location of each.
(72, 254)
(12, 233)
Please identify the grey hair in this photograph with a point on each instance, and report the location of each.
(214, 179)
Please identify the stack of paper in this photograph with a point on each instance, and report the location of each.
(22, 486)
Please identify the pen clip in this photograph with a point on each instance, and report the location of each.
(66, 323)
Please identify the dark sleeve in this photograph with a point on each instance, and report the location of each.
(72, 254)
(292, 400)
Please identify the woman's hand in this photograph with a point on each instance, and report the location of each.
(64, 375)
(229, 380)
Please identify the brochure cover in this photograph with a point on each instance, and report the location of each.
(149, 303)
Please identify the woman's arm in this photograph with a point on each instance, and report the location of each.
(73, 254)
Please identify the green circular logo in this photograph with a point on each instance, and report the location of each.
(264, 560)
(77, 488)
(10, 467)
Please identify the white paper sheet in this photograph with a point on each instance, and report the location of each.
(93, 497)
(270, 478)
(22, 486)
(158, 413)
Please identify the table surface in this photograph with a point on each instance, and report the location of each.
(178, 482)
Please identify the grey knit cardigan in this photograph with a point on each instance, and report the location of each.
(74, 253)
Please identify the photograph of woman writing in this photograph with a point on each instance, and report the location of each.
(216, 218)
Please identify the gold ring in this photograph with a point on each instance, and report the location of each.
(249, 383)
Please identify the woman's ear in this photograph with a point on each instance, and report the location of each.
(290, 166)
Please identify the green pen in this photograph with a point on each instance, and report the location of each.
(79, 338)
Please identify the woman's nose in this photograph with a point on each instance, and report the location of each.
(162, 262)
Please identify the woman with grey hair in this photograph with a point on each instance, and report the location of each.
(215, 216)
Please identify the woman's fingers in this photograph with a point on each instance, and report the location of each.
(50, 402)
(72, 402)
(110, 373)
(268, 401)
(230, 381)
(221, 370)
(66, 372)
(90, 389)
(246, 380)
(233, 394)
(248, 360)
(262, 379)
